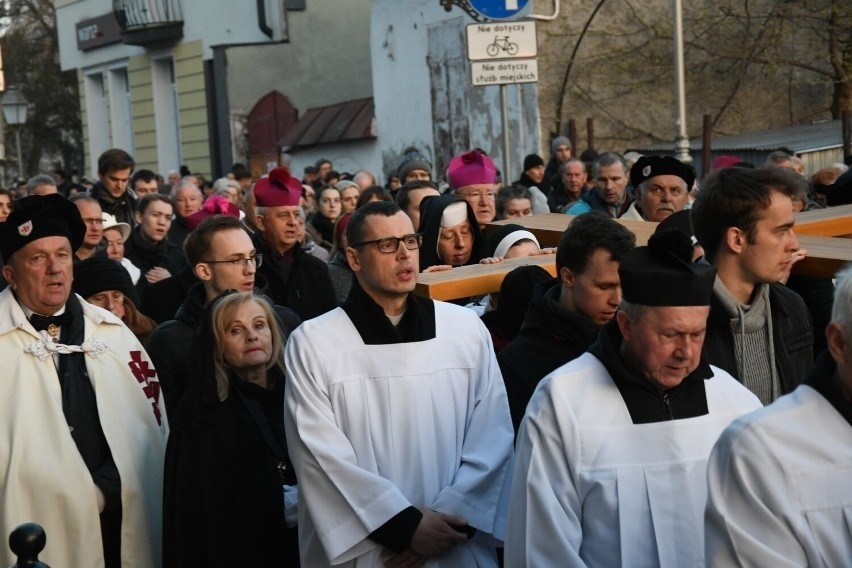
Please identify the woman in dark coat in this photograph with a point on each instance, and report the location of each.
(230, 492)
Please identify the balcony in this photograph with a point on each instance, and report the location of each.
(149, 22)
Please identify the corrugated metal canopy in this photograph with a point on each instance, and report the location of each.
(800, 138)
(350, 120)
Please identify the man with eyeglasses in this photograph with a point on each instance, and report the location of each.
(400, 436)
(662, 186)
(222, 257)
(295, 278)
(473, 177)
(90, 211)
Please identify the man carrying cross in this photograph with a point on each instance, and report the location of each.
(82, 433)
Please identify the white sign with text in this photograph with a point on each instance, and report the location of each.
(503, 72)
(501, 40)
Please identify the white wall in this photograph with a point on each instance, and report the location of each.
(217, 22)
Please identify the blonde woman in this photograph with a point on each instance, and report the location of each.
(230, 496)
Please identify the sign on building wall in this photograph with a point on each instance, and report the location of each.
(97, 32)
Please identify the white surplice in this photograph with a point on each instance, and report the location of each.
(373, 429)
(43, 478)
(591, 488)
(780, 487)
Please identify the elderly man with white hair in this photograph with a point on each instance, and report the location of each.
(779, 478)
(187, 199)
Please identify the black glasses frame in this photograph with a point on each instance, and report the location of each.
(389, 242)
(257, 260)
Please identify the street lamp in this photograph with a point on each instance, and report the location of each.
(15, 106)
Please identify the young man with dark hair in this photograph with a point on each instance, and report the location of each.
(410, 195)
(144, 182)
(399, 433)
(114, 169)
(223, 257)
(148, 247)
(758, 330)
(567, 313)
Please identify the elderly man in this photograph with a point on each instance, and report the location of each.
(612, 452)
(573, 176)
(295, 279)
(779, 490)
(187, 199)
(41, 185)
(400, 435)
(90, 211)
(662, 186)
(114, 169)
(610, 194)
(473, 177)
(83, 429)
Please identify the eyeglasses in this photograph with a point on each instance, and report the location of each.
(390, 245)
(256, 260)
(476, 196)
(93, 221)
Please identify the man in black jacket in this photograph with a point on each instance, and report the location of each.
(114, 169)
(758, 330)
(223, 257)
(567, 312)
(295, 278)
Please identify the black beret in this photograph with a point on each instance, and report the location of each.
(663, 274)
(39, 216)
(651, 166)
(532, 161)
(98, 274)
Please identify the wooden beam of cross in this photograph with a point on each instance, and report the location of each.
(826, 254)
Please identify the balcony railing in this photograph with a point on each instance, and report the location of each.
(146, 22)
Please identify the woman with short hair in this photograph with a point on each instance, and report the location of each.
(230, 491)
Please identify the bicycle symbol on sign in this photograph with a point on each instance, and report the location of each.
(501, 44)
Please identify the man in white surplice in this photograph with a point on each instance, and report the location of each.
(780, 479)
(396, 415)
(612, 451)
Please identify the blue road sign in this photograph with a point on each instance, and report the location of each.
(499, 9)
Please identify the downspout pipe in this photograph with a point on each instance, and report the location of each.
(261, 19)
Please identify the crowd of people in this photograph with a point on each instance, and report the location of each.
(238, 371)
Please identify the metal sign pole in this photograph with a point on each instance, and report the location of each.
(504, 104)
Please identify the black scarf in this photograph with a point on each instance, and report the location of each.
(325, 227)
(645, 403)
(153, 253)
(417, 324)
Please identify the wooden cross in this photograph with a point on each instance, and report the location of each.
(820, 232)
